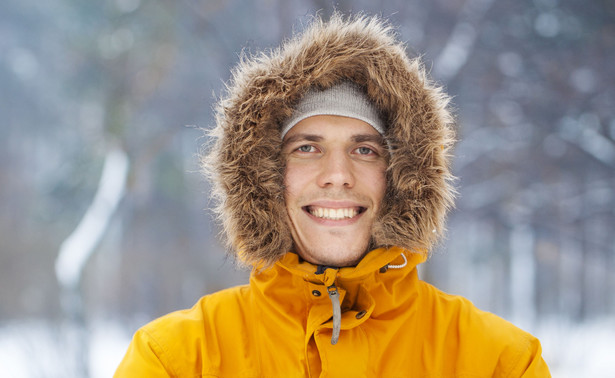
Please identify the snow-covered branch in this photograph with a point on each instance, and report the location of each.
(81, 243)
(461, 41)
(589, 139)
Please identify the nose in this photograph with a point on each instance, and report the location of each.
(336, 171)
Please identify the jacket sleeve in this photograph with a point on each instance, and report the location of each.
(530, 363)
(144, 358)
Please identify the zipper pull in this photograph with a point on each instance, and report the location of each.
(337, 313)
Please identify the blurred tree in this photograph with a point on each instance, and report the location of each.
(533, 84)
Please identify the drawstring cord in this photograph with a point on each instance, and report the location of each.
(337, 313)
(334, 295)
(329, 273)
(400, 265)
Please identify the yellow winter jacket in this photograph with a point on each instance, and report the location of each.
(392, 325)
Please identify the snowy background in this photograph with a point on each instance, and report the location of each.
(103, 214)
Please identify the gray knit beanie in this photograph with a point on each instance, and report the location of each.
(345, 99)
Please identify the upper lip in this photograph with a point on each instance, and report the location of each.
(335, 204)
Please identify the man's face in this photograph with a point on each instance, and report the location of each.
(334, 185)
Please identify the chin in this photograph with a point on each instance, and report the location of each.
(330, 255)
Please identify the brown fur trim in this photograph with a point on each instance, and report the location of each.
(245, 162)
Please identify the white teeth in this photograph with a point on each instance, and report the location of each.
(333, 214)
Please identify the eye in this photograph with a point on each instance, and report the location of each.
(365, 151)
(306, 148)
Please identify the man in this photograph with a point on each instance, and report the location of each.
(331, 168)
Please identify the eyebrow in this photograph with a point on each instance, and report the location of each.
(358, 138)
(306, 137)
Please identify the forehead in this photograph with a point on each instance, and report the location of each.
(330, 127)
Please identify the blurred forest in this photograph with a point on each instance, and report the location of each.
(84, 83)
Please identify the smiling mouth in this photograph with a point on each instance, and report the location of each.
(334, 214)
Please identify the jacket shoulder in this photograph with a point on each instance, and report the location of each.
(482, 340)
(186, 342)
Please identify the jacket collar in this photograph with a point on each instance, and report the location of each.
(375, 261)
(384, 282)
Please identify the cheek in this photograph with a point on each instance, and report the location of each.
(296, 177)
(377, 182)
(292, 183)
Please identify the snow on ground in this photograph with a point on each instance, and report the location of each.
(107, 349)
(579, 350)
(37, 349)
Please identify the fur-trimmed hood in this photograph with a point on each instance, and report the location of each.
(245, 161)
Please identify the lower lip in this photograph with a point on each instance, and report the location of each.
(334, 222)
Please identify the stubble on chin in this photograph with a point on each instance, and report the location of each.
(327, 255)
